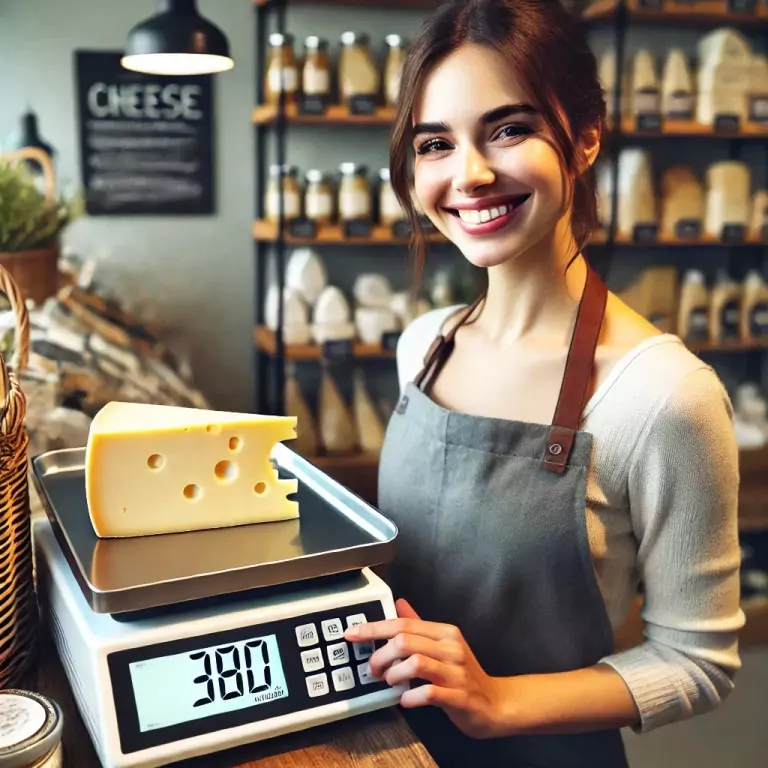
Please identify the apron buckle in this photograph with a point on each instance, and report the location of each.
(559, 445)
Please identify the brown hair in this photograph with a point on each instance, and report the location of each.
(545, 45)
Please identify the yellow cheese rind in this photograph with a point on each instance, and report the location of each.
(153, 469)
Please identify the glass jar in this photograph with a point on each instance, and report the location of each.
(390, 210)
(318, 197)
(282, 70)
(393, 69)
(291, 190)
(30, 731)
(316, 73)
(354, 192)
(358, 73)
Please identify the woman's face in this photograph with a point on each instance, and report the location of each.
(486, 171)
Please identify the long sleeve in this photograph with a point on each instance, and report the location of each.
(683, 478)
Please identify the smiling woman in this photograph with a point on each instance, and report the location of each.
(551, 449)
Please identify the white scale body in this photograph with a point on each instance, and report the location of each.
(191, 644)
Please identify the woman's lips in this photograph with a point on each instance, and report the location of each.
(488, 217)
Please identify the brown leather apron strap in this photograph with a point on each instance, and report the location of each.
(578, 374)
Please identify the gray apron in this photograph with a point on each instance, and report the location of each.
(493, 539)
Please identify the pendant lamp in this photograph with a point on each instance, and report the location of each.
(177, 41)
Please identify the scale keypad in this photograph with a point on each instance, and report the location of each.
(334, 651)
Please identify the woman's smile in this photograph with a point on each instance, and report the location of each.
(489, 215)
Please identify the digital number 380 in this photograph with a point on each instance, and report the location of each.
(228, 666)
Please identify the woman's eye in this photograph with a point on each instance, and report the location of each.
(433, 145)
(514, 131)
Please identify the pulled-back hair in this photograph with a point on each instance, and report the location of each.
(546, 48)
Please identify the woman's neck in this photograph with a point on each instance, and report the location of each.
(536, 293)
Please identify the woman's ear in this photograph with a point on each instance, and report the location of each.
(590, 144)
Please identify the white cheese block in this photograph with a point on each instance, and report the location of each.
(373, 322)
(153, 469)
(724, 76)
(372, 290)
(728, 196)
(682, 199)
(645, 84)
(323, 332)
(724, 44)
(677, 89)
(637, 200)
(305, 273)
(295, 315)
(331, 307)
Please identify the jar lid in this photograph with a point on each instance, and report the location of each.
(287, 170)
(353, 169)
(385, 175)
(354, 38)
(315, 176)
(395, 41)
(279, 39)
(313, 42)
(30, 727)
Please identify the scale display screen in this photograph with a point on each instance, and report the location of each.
(177, 688)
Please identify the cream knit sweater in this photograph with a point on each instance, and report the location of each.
(662, 495)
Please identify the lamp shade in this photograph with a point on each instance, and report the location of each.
(177, 41)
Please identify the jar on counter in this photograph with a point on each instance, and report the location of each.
(318, 197)
(358, 73)
(354, 192)
(390, 210)
(393, 69)
(30, 731)
(316, 72)
(282, 70)
(291, 191)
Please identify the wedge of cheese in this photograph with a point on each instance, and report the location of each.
(728, 198)
(153, 469)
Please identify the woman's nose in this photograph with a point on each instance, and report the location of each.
(473, 172)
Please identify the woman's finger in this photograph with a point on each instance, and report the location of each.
(420, 667)
(434, 696)
(386, 630)
(403, 646)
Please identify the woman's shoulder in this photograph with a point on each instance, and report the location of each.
(416, 338)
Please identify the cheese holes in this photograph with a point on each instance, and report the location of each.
(213, 429)
(226, 471)
(192, 492)
(260, 489)
(235, 444)
(155, 461)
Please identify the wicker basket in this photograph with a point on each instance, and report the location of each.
(18, 603)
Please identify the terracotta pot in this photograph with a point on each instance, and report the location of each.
(35, 272)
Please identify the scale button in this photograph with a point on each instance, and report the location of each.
(364, 673)
(343, 679)
(317, 685)
(306, 635)
(332, 629)
(363, 650)
(338, 654)
(312, 660)
(358, 618)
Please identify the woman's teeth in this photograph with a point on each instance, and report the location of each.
(487, 214)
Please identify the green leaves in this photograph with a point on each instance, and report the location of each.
(27, 220)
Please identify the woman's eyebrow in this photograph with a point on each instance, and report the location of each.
(491, 116)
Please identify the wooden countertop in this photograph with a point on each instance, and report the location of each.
(379, 739)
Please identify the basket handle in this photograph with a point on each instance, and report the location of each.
(37, 154)
(19, 309)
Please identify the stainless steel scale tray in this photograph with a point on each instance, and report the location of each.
(336, 532)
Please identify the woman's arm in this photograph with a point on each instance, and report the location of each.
(683, 490)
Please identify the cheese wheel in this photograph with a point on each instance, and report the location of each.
(155, 469)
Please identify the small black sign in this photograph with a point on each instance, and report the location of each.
(363, 104)
(401, 230)
(730, 320)
(727, 124)
(688, 229)
(698, 327)
(389, 340)
(313, 104)
(426, 224)
(734, 233)
(303, 228)
(758, 109)
(649, 123)
(651, 4)
(645, 233)
(146, 141)
(338, 349)
(357, 228)
(742, 6)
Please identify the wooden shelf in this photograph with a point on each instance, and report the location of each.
(727, 346)
(376, 3)
(336, 114)
(266, 231)
(265, 341)
(704, 13)
(692, 129)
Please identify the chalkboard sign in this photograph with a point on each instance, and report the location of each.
(146, 141)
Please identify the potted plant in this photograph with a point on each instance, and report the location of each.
(31, 223)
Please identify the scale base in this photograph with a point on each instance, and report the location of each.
(96, 652)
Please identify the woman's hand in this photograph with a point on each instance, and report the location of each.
(438, 654)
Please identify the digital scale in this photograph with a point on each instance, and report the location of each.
(186, 644)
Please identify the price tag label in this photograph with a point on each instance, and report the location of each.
(648, 123)
(688, 229)
(363, 104)
(727, 124)
(338, 350)
(651, 5)
(303, 228)
(734, 233)
(401, 230)
(389, 340)
(357, 228)
(313, 104)
(645, 233)
(742, 6)
(758, 109)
